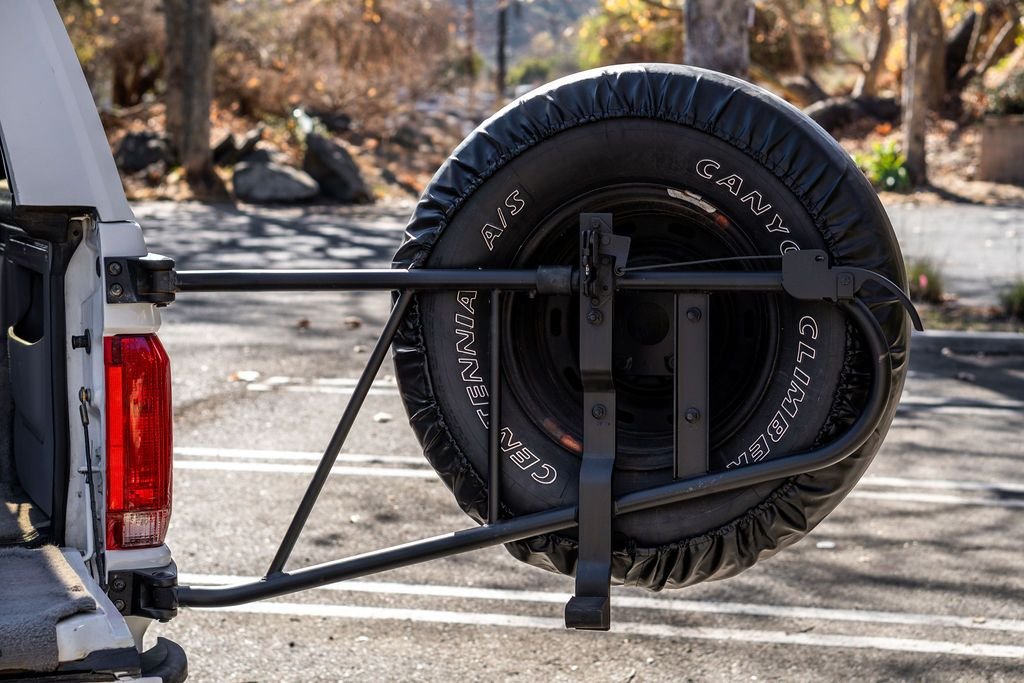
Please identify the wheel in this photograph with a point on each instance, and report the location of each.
(693, 165)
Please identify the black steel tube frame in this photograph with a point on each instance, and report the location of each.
(551, 280)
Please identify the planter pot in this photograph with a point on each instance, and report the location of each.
(1002, 149)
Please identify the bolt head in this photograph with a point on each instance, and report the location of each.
(114, 268)
(692, 415)
(118, 584)
(598, 411)
(120, 605)
(694, 314)
(595, 317)
(116, 290)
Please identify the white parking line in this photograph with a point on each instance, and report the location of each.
(996, 488)
(648, 603)
(250, 454)
(937, 499)
(635, 628)
(287, 468)
(943, 484)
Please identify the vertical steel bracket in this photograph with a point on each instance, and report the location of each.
(691, 385)
(602, 254)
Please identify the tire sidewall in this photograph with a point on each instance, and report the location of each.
(499, 217)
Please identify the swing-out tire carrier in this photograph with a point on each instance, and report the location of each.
(804, 275)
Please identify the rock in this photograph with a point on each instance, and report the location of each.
(140, 150)
(267, 181)
(836, 112)
(409, 137)
(335, 122)
(804, 89)
(334, 169)
(225, 151)
(248, 143)
(264, 152)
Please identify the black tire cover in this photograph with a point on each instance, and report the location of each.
(773, 135)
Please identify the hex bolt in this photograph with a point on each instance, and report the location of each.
(116, 290)
(114, 268)
(598, 411)
(693, 314)
(120, 605)
(118, 585)
(595, 317)
(692, 415)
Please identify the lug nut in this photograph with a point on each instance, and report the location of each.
(692, 415)
(116, 290)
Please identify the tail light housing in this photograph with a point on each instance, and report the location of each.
(139, 441)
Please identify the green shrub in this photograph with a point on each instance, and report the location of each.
(885, 166)
(1013, 300)
(925, 280)
(1009, 99)
(531, 70)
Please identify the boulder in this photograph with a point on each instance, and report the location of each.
(225, 151)
(264, 152)
(835, 113)
(269, 182)
(332, 166)
(249, 141)
(137, 151)
(335, 122)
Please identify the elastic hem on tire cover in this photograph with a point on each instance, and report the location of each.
(831, 189)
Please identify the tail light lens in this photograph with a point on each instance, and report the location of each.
(139, 441)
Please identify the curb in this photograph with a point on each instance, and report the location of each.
(995, 343)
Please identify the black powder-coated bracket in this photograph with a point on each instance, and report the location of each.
(806, 275)
(601, 254)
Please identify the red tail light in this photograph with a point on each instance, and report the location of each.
(138, 441)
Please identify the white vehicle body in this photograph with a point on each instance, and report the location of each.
(61, 173)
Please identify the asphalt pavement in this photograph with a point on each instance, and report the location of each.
(917, 575)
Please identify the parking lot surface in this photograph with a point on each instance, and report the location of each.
(917, 575)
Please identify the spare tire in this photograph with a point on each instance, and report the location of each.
(693, 165)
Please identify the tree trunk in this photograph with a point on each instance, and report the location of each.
(189, 25)
(936, 57)
(471, 54)
(921, 51)
(867, 86)
(796, 46)
(826, 21)
(716, 35)
(501, 72)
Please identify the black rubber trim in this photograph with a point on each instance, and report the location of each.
(166, 660)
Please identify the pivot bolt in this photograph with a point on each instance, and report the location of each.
(693, 314)
(116, 290)
(692, 415)
(114, 268)
(595, 317)
(598, 411)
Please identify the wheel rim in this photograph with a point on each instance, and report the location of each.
(542, 361)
